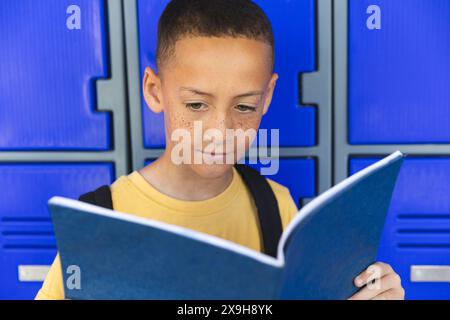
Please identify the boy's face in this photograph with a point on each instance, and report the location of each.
(219, 84)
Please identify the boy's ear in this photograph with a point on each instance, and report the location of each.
(270, 89)
(151, 85)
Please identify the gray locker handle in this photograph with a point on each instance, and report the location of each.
(430, 273)
(32, 273)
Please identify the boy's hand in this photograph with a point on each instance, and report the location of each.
(379, 282)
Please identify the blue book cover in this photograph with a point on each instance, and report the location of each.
(330, 241)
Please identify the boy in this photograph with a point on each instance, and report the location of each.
(215, 67)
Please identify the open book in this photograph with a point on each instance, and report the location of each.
(330, 241)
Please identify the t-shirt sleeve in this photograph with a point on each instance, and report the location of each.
(53, 288)
(288, 208)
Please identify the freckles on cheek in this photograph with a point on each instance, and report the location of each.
(245, 125)
(187, 124)
(250, 124)
(178, 121)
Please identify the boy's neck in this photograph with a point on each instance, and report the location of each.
(178, 182)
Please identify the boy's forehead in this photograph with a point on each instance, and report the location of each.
(224, 57)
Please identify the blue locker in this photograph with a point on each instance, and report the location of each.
(297, 174)
(294, 28)
(148, 15)
(399, 75)
(48, 72)
(293, 24)
(26, 236)
(417, 230)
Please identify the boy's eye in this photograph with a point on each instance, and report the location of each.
(196, 106)
(244, 108)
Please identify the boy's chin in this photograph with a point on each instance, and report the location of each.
(211, 171)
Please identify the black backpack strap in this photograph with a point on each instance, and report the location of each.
(100, 197)
(267, 206)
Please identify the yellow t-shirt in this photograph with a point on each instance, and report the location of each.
(231, 215)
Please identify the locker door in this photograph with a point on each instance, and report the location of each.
(417, 230)
(293, 24)
(294, 28)
(399, 75)
(27, 243)
(148, 13)
(48, 72)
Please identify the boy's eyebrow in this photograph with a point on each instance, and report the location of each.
(242, 95)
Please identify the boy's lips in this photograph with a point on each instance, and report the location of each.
(214, 153)
(212, 156)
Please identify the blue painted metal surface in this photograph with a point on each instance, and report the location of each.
(399, 75)
(48, 73)
(26, 232)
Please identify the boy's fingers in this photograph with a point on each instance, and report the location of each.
(363, 294)
(392, 294)
(373, 272)
(386, 283)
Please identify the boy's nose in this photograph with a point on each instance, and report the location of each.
(221, 121)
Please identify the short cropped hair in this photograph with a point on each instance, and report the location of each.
(211, 18)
